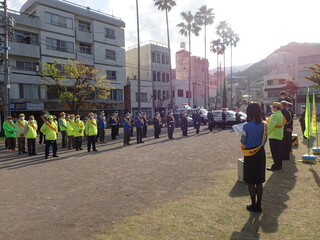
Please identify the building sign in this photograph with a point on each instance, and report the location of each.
(18, 106)
(35, 106)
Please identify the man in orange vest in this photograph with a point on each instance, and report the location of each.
(50, 129)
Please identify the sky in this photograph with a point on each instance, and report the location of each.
(263, 26)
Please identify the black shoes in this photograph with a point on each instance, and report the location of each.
(254, 208)
(273, 169)
(55, 156)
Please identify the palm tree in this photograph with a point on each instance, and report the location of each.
(205, 17)
(138, 35)
(233, 40)
(218, 48)
(186, 28)
(167, 5)
(223, 33)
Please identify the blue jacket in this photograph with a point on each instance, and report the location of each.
(210, 117)
(113, 122)
(101, 123)
(127, 126)
(137, 122)
(197, 119)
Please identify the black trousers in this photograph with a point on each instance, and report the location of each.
(21, 144)
(31, 142)
(70, 142)
(184, 131)
(117, 130)
(64, 138)
(223, 125)
(101, 134)
(42, 137)
(303, 127)
(286, 145)
(78, 142)
(126, 137)
(11, 143)
(144, 131)
(139, 135)
(91, 141)
(210, 125)
(276, 152)
(197, 127)
(156, 132)
(131, 132)
(47, 148)
(170, 132)
(113, 132)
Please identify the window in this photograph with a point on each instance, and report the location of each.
(84, 26)
(111, 75)
(188, 94)
(159, 95)
(59, 21)
(158, 57)
(270, 82)
(85, 48)
(167, 77)
(110, 33)
(154, 57)
(164, 95)
(143, 97)
(163, 77)
(154, 76)
(158, 77)
(163, 60)
(154, 94)
(29, 91)
(110, 54)
(26, 66)
(25, 37)
(167, 59)
(59, 45)
(180, 93)
(52, 92)
(116, 95)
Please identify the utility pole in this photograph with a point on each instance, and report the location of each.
(8, 24)
(138, 33)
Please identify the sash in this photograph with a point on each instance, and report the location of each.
(23, 126)
(159, 119)
(172, 118)
(140, 120)
(51, 127)
(92, 123)
(127, 121)
(33, 126)
(253, 151)
(146, 119)
(10, 124)
(283, 123)
(115, 119)
(79, 125)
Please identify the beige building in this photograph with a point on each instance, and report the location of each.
(155, 69)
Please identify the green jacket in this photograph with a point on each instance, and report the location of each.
(32, 130)
(70, 131)
(78, 127)
(275, 126)
(91, 127)
(63, 124)
(21, 128)
(49, 130)
(9, 129)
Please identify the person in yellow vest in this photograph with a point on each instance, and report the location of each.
(70, 131)
(63, 129)
(9, 128)
(21, 130)
(91, 131)
(78, 127)
(56, 122)
(31, 135)
(50, 129)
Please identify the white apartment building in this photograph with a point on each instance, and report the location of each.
(155, 69)
(52, 30)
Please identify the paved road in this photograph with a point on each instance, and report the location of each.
(79, 194)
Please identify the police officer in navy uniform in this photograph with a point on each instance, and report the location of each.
(127, 126)
(210, 120)
(197, 121)
(157, 123)
(145, 124)
(184, 124)
(113, 124)
(170, 124)
(138, 122)
(224, 119)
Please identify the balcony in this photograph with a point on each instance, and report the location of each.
(86, 37)
(23, 49)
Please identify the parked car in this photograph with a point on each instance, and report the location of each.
(231, 117)
(203, 113)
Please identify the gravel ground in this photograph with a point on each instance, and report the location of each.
(80, 194)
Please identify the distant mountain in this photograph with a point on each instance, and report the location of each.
(234, 68)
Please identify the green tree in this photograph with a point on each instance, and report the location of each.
(205, 17)
(218, 48)
(315, 77)
(187, 27)
(75, 83)
(167, 5)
